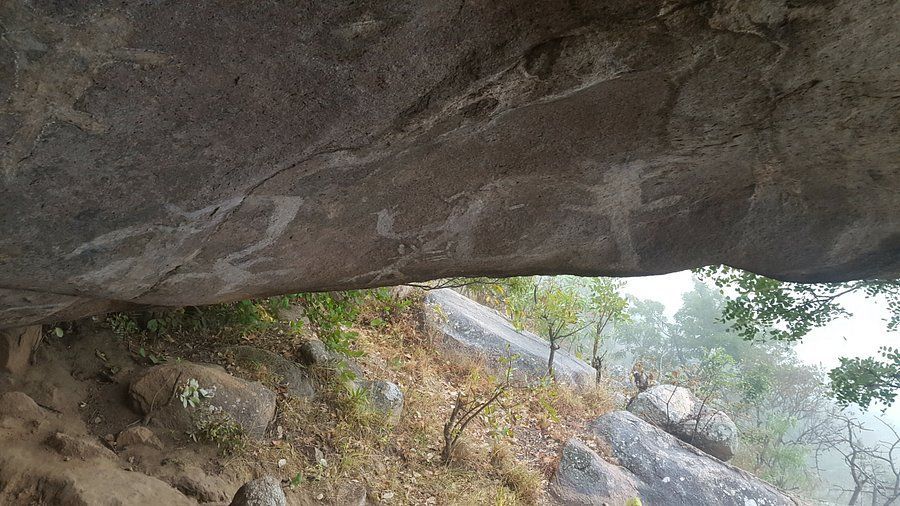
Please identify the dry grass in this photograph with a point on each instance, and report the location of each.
(322, 445)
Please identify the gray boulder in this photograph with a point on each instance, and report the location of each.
(466, 327)
(294, 377)
(385, 398)
(680, 413)
(265, 491)
(583, 477)
(654, 466)
(156, 393)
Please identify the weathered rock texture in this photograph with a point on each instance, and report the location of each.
(679, 412)
(465, 327)
(26, 478)
(192, 152)
(654, 466)
(265, 491)
(156, 393)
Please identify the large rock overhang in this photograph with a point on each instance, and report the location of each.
(181, 153)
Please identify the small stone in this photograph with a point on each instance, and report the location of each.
(282, 462)
(139, 435)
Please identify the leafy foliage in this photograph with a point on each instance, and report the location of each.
(331, 314)
(788, 311)
(864, 380)
(192, 394)
(553, 309)
(762, 307)
(216, 427)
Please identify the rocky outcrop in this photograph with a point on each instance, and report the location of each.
(27, 477)
(248, 150)
(314, 353)
(384, 398)
(157, 393)
(654, 466)
(583, 477)
(679, 412)
(464, 326)
(79, 447)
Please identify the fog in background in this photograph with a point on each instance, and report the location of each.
(859, 335)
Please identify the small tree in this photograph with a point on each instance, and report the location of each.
(605, 306)
(468, 406)
(552, 309)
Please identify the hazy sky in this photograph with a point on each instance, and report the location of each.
(857, 336)
(860, 335)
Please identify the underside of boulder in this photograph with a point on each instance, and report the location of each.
(176, 153)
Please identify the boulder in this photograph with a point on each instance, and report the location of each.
(348, 144)
(584, 478)
(138, 435)
(654, 466)
(385, 398)
(294, 377)
(466, 327)
(265, 491)
(157, 393)
(677, 411)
